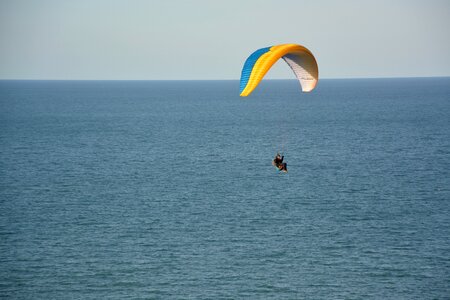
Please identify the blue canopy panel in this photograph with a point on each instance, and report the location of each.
(248, 66)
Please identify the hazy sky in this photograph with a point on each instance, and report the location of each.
(207, 39)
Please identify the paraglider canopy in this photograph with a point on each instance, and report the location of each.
(300, 59)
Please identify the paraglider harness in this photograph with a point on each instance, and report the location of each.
(278, 160)
(278, 163)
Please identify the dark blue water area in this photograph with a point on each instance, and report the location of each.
(165, 190)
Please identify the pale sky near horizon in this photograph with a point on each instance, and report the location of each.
(206, 39)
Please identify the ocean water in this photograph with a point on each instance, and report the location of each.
(165, 190)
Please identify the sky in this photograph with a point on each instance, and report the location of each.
(207, 39)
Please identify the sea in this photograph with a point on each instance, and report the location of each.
(165, 190)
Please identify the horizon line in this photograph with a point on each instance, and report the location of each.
(326, 78)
